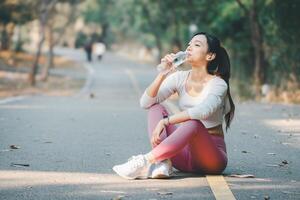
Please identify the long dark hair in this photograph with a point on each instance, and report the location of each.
(220, 66)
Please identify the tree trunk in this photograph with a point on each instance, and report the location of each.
(257, 42)
(50, 57)
(35, 66)
(294, 74)
(159, 47)
(6, 35)
(49, 65)
(10, 32)
(43, 15)
(104, 34)
(256, 39)
(4, 38)
(176, 44)
(45, 7)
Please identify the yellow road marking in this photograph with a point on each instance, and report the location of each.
(220, 188)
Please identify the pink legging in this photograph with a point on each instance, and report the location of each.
(190, 147)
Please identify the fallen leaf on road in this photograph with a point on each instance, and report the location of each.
(266, 198)
(283, 163)
(19, 165)
(241, 175)
(164, 193)
(14, 146)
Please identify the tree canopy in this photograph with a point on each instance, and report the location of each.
(260, 35)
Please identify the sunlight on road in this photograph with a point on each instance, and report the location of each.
(22, 107)
(289, 128)
(11, 179)
(286, 126)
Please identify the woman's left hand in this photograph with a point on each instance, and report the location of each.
(155, 140)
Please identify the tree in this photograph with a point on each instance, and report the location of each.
(13, 13)
(44, 8)
(102, 13)
(58, 30)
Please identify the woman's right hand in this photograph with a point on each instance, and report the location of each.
(156, 140)
(167, 64)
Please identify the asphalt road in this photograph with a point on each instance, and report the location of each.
(69, 144)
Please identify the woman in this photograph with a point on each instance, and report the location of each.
(197, 143)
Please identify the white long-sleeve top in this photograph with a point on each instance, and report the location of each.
(209, 106)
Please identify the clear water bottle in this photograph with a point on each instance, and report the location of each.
(179, 58)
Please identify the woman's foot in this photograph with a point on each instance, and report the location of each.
(135, 167)
(162, 169)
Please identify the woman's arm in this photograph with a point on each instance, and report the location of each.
(152, 90)
(174, 119)
(162, 86)
(159, 90)
(177, 118)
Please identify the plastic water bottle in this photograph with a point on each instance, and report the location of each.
(179, 58)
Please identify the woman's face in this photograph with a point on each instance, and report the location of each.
(197, 50)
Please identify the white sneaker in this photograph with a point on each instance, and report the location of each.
(162, 169)
(135, 167)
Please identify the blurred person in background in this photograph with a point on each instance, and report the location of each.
(99, 49)
(88, 47)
